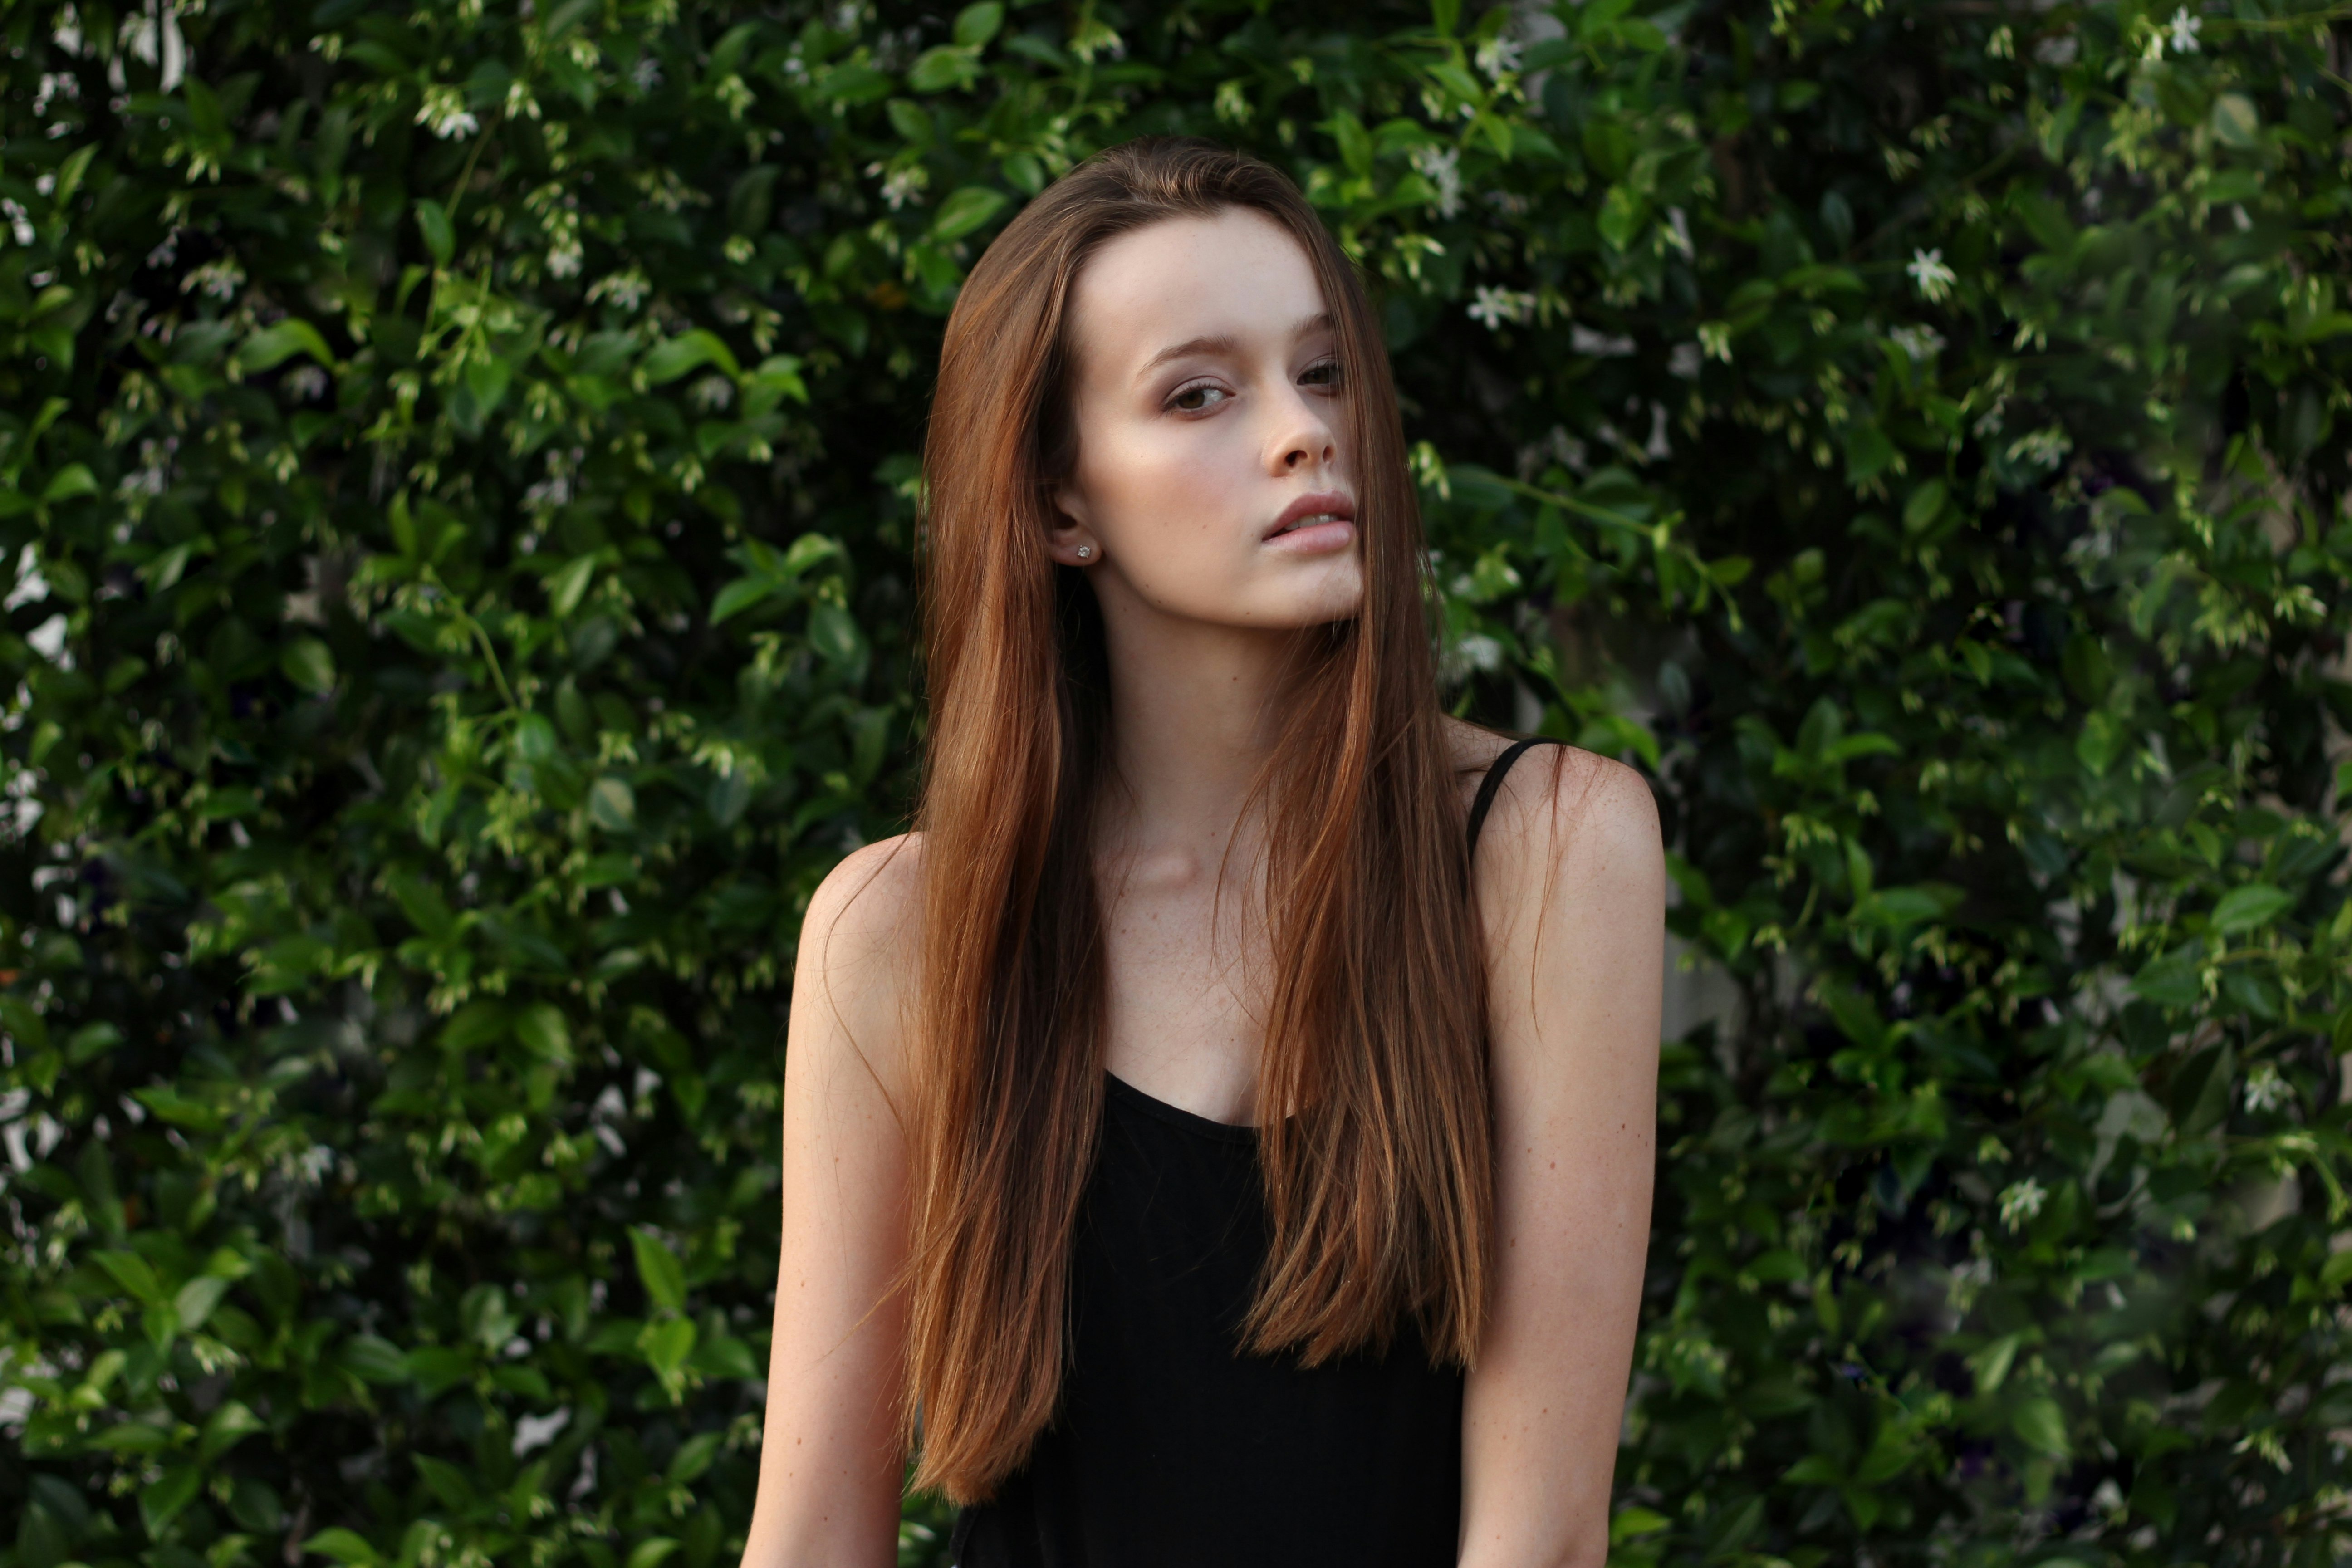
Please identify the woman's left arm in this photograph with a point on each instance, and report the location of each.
(1572, 881)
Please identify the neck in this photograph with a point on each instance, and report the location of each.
(1192, 722)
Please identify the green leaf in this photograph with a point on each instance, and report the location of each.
(667, 1344)
(196, 1299)
(433, 223)
(612, 805)
(568, 583)
(281, 341)
(90, 1042)
(651, 1552)
(1991, 1365)
(230, 1423)
(742, 595)
(162, 1501)
(659, 1267)
(1631, 1523)
(2244, 909)
(975, 24)
(666, 362)
(2170, 981)
(2042, 1425)
(2235, 121)
(306, 663)
(72, 481)
(372, 1358)
(344, 1546)
(541, 1029)
(1925, 505)
(965, 211)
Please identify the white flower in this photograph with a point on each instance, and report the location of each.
(1715, 337)
(1495, 306)
(2042, 448)
(1498, 56)
(445, 113)
(48, 638)
(218, 279)
(31, 586)
(1920, 344)
(1599, 345)
(627, 288)
(2266, 1091)
(711, 392)
(905, 185)
(1442, 167)
(2020, 1201)
(1934, 278)
(1683, 362)
(2184, 32)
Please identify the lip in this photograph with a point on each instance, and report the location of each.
(1341, 508)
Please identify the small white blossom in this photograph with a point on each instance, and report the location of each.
(1715, 337)
(1442, 167)
(1921, 343)
(1495, 306)
(306, 382)
(1499, 56)
(1599, 345)
(1683, 361)
(215, 280)
(445, 113)
(1933, 277)
(711, 392)
(2042, 448)
(2184, 30)
(2020, 1201)
(903, 185)
(627, 288)
(48, 638)
(2266, 1090)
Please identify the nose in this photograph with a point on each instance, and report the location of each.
(1303, 438)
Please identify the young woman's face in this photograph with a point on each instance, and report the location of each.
(1211, 482)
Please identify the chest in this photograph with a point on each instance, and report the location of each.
(1186, 977)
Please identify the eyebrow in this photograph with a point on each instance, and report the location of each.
(1224, 344)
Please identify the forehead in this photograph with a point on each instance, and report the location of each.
(1237, 274)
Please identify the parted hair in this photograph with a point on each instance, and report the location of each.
(1375, 1140)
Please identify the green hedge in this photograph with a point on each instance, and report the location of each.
(456, 525)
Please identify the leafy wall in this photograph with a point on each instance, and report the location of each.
(457, 599)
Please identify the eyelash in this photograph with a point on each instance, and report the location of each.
(1331, 366)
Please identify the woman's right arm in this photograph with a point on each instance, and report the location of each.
(830, 1457)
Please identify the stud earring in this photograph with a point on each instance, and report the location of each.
(1085, 551)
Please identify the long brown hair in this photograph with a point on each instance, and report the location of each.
(1379, 1184)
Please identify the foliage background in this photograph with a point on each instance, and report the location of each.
(456, 530)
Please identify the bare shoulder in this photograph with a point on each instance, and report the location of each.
(860, 947)
(1568, 824)
(873, 899)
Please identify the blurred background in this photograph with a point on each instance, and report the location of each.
(457, 540)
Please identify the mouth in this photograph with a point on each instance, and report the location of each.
(1313, 511)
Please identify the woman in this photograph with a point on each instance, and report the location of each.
(1190, 1152)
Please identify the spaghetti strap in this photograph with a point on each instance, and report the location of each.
(1494, 781)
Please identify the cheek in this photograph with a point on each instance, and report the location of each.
(1170, 487)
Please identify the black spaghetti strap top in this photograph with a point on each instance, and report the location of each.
(1171, 1447)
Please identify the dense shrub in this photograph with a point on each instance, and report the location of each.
(457, 515)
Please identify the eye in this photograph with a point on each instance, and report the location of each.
(1324, 373)
(1195, 396)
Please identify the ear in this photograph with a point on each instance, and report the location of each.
(1071, 532)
